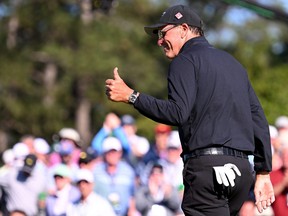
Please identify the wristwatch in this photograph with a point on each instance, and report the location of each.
(133, 97)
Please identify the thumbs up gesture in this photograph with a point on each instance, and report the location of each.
(116, 88)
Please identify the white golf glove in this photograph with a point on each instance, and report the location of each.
(226, 174)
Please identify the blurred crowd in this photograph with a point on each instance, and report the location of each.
(119, 173)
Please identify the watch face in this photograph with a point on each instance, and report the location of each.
(133, 97)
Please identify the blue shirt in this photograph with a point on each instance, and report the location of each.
(117, 188)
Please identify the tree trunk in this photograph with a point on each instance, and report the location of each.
(86, 11)
(3, 141)
(49, 79)
(13, 25)
(83, 121)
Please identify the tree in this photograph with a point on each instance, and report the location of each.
(56, 55)
(59, 63)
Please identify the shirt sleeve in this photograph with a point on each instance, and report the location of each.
(262, 152)
(120, 134)
(181, 95)
(98, 139)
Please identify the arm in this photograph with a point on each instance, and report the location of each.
(111, 122)
(143, 200)
(98, 139)
(171, 198)
(119, 133)
(263, 188)
(132, 207)
(182, 91)
(181, 94)
(262, 153)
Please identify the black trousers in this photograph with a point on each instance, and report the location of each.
(203, 196)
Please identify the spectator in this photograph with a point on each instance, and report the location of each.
(88, 159)
(279, 179)
(139, 145)
(66, 135)
(28, 140)
(248, 208)
(23, 186)
(57, 203)
(8, 160)
(20, 151)
(90, 203)
(276, 148)
(172, 163)
(17, 213)
(156, 152)
(42, 150)
(159, 149)
(281, 124)
(65, 153)
(157, 197)
(115, 178)
(111, 127)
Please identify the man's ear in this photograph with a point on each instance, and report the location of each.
(184, 30)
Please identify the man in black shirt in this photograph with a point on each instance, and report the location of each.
(218, 115)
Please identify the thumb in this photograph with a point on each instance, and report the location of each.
(116, 74)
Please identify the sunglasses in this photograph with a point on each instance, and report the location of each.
(161, 34)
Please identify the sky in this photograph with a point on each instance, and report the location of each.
(239, 15)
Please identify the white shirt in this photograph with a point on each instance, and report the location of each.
(94, 205)
(62, 201)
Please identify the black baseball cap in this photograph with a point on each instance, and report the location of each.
(29, 163)
(87, 156)
(177, 14)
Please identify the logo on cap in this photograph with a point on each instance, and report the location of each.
(178, 15)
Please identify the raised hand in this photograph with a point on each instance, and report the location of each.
(116, 88)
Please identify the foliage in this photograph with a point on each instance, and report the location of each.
(59, 60)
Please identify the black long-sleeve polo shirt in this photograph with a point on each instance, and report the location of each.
(212, 102)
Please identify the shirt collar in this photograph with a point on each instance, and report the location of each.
(193, 42)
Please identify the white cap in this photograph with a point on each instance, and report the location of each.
(20, 150)
(8, 156)
(41, 146)
(174, 140)
(143, 145)
(283, 138)
(84, 174)
(281, 122)
(273, 132)
(139, 145)
(70, 133)
(111, 143)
